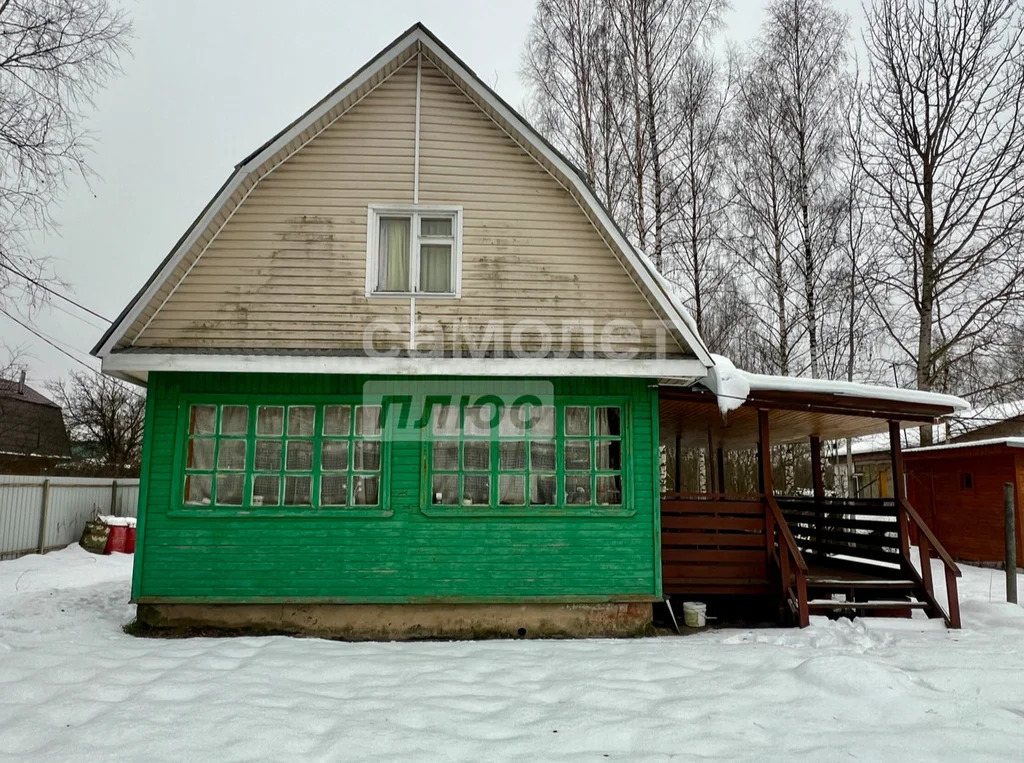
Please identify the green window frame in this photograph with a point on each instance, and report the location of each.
(537, 460)
(282, 455)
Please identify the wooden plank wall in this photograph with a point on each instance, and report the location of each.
(407, 556)
(713, 545)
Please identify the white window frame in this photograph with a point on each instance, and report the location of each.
(414, 212)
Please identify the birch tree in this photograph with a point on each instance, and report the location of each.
(943, 155)
(804, 48)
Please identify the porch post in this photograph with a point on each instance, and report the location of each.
(818, 478)
(767, 486)
(679, 464)
(764, 456)
(899, 487)
(720, 458)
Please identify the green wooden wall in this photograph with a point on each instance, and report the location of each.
(406, 556)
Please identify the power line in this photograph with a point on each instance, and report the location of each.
(46, 288)
(49, 341)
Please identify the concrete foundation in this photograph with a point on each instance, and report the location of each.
(389, 622)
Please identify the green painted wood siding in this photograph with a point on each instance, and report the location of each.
(397, 555)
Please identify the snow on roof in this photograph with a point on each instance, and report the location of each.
(733, 386)
(959, 424)
(1010, 442)
(986, 415)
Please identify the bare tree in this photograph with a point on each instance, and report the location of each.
(572, 66)
(803, 47)
(943, 152)
(701, 100)
(764, 212)
(105, 411)
(54, 56)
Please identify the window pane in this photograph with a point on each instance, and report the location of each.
(542, 489)
(234, 419)
(270, 420)
(436, 268)
(231, 456)
(367, 456)
(445, 490)
(446, 419)
(368, 420)
(197, 489)
(512, 489)
(268, 455)
(337, 419)
(476, 490)
(200, 454)
(512, 456)
(203, 419)
(513, 421)
(577, 420)
(609, 491)
(577, 489)
(478, 420)
(609, 455)
(300, 420)
(393, 254)
(266, 490)
(365, 490)
(577, 454)
(542, 456)
(542, 420)
(229, 489)
(297, 491)
(477, 456)
(299, 456)
(436, 226)
(608, 421)
(334, 455)
(446, 455)
(334, 490)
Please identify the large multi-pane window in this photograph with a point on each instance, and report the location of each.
(277, 455)
(532, 455)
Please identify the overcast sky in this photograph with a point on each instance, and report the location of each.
(209, 81)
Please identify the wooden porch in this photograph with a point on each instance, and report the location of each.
(817, 554)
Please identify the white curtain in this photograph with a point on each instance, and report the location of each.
(436, 268)
(393, 249)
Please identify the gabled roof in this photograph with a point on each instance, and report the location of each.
(30, 423)
(417, 39)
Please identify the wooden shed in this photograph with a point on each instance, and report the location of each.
(958, 489)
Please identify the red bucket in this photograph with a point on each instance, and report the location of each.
(129, 540)
(117, 539)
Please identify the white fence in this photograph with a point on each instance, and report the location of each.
(39, 514)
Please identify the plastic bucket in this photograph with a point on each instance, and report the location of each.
(117, 538)
(695, 614)
(129, 540)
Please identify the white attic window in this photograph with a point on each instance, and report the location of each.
(414, 251)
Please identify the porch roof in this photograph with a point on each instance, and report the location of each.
(795, 413)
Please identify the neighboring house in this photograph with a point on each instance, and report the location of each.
(33, 438)
(407, 378)
(959, 490)
(872, 471)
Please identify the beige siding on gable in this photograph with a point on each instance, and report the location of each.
(288, 269)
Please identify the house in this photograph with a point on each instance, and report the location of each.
(407, 378)
(33, 438)
(959, 489)
(872, 476)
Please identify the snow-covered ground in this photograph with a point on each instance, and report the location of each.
(73, 686)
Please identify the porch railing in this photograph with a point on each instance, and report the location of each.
(873, 531)
(784, 551)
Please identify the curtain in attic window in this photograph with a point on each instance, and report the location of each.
(393, 243)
